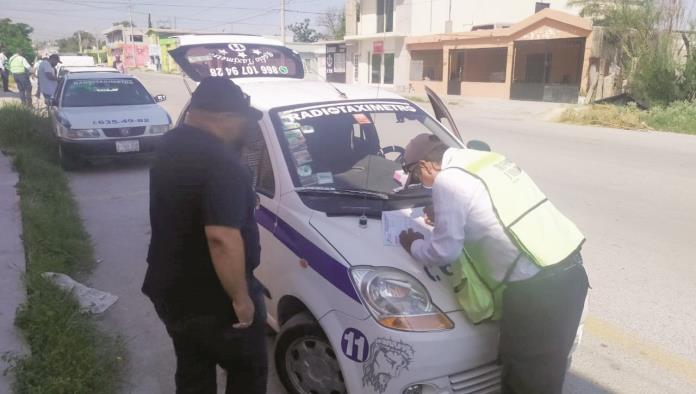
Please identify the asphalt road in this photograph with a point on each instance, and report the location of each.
(632, 193)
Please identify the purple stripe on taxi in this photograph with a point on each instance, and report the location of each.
(332, 270)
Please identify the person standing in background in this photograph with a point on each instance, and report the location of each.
(48, 80)
(4, 72)
(20, 69)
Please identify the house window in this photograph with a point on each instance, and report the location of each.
(356, 66)
(376, 65)
(382, 68)
(385, 16)
(136, 38)
(426, 65)
(388, 68)
(540, 5)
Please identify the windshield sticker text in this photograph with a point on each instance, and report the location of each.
(345, 109)
(119, 81)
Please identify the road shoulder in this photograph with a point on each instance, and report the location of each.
(12, 267)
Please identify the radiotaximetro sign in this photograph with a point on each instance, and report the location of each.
(236, 60)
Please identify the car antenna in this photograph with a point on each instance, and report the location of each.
(340, 92)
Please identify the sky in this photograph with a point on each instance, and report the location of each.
(53, 19)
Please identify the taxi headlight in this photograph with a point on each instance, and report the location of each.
(397, 300)
(158, 129)
(83, 133)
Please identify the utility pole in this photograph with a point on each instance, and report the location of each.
(130, 12)
(282, 20)
(96, 39)
(79, 41)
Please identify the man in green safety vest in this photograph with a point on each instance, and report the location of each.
(518, 256)
(20, 70)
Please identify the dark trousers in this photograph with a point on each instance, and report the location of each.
(5, 83)
(203, 342)
(540, 319)
(24, 87)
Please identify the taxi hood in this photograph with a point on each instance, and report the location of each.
(365, 246)
(115, 116)
(234, 59)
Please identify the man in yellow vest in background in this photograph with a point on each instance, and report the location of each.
(519, 257)
(20, 70)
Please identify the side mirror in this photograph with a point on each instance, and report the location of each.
(54, 101)
(478, 145)
(160, 97)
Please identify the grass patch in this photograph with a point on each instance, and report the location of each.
(69, 353)
(679, 117)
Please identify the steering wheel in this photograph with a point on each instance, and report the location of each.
(384, 151)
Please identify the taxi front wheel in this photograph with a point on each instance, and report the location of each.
(305, 361)
(68, 161)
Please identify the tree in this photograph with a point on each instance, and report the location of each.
(303, 33)
(643, 32)
(123, 23)
(334, 23)
(72, 44)
(15, 36)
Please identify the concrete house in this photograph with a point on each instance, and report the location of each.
(512, 49)
(131, 48)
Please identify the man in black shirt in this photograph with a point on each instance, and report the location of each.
(205, 245)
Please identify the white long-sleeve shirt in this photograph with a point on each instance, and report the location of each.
(463, 211)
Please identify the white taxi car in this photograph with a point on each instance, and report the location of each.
(353, 312)
(104, 114)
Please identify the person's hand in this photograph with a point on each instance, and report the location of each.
(429, 212)
(244, 309)
(407, 238)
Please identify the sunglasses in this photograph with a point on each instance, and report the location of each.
(410, 169)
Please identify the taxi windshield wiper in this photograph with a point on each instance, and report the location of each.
(342, 192)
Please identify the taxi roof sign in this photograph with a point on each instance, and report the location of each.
(236, 57)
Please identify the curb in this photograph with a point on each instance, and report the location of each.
(12, 268)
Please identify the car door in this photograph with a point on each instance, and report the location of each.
(54, 106)
(442, 113)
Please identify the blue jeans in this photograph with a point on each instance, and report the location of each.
(24, 87)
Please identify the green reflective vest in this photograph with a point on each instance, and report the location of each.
(539, 230)
(17, 64)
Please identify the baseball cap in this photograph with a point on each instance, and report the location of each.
(419, 147)
(56, 57)
(217, 94)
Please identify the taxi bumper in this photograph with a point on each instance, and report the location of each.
(93, 148)
(459, 361)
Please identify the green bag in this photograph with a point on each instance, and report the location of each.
(473, 294)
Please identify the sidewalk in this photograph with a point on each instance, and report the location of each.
(12, 266)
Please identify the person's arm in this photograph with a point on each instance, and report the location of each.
(451, 203)
(227, 252)
(225, 208)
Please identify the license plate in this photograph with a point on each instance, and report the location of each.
(127, 146)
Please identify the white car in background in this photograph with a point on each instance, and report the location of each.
(354, 312)
(102, 114)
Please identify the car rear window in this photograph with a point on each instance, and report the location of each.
(105, 92)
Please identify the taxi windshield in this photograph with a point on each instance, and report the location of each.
(105, 92)
(351, 145)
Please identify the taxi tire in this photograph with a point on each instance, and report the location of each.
(67, 161)
(300, 325)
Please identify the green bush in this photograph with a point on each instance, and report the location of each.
(679, 116)
(656, 78)
(69, 353)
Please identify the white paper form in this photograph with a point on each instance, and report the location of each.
(394, 222)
